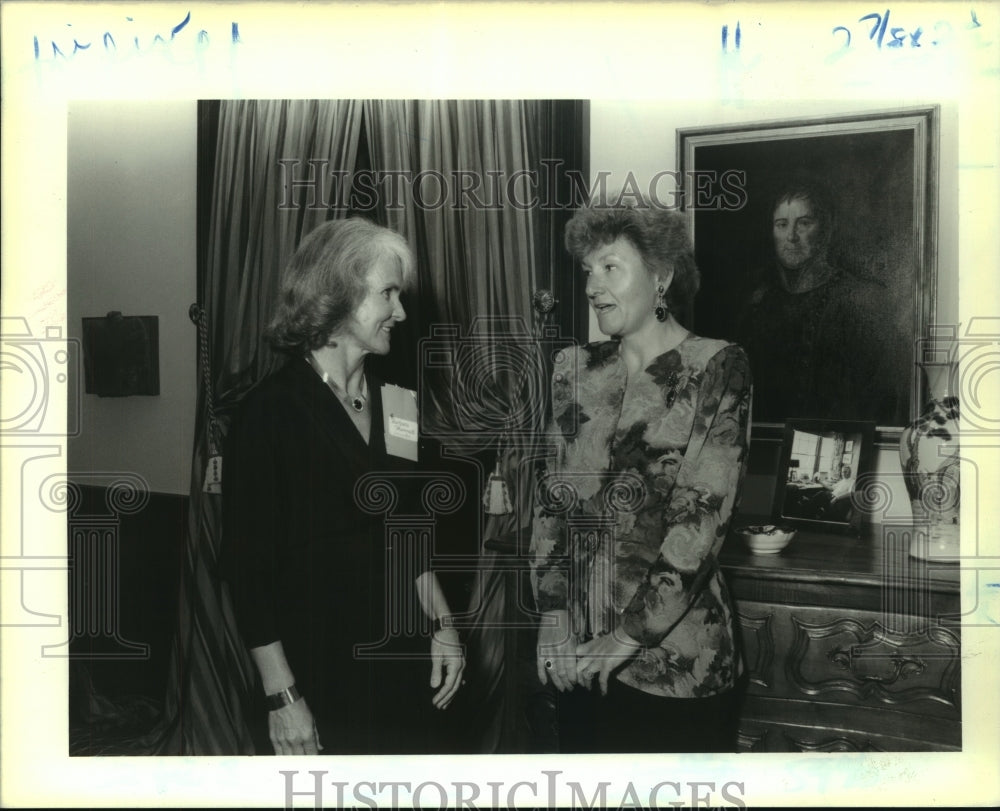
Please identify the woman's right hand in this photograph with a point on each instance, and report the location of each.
(556, 652)
(293, 730)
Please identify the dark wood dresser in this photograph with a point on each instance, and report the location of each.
(851, 644)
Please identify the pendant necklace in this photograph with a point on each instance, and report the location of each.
(357, 403)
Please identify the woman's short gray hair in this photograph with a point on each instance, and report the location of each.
(326, 280)
(659, 235)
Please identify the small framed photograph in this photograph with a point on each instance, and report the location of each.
(820, 462)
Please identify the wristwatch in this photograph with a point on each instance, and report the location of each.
(441, 624)
(283, 698)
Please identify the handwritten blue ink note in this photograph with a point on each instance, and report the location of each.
(134, 36)
(910, 35)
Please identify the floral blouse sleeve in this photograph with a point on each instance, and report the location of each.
(654, 587)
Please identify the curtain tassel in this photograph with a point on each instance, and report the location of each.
(213, 475)
(213, 468)
(496, 498)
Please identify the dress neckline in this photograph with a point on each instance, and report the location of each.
(646, 369)
(341, 409)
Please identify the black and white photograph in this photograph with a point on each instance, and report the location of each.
(822, 462)
(429, 513)
(376, 435)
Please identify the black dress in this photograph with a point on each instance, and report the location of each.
(309, 567)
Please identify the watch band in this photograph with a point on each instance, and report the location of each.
(283, 698)
(441, 624)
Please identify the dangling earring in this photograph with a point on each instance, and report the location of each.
(660, 309)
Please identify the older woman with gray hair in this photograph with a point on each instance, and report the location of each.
(651, 433)
(309, 568)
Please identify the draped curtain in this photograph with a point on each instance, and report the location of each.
(251, 236)
(471, 263)
(479, 266)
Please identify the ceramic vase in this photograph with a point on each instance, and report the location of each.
(929, 455)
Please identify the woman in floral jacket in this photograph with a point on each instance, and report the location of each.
(651, 434)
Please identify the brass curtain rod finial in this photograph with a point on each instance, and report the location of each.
(543, 301)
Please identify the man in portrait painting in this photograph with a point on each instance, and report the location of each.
(816, 334)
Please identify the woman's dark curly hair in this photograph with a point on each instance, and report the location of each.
(660, 236)
(327, 278)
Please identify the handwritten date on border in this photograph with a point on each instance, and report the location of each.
(882, 35)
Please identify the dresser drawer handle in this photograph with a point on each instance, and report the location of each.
(902, 666)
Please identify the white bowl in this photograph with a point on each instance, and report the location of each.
(766, 539)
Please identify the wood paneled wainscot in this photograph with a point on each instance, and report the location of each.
(851, 644)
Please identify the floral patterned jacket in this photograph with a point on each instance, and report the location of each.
(635, 506)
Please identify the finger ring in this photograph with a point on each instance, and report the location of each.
(548, 664)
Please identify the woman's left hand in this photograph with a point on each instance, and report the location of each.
(447, 664)
(602, 655)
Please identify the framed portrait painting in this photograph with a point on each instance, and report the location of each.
(816, 241)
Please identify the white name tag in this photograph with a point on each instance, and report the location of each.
(403, 429)
(401, 421)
